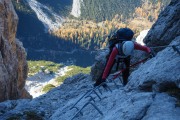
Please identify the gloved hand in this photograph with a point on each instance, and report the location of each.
(98, 82)
(151, 55)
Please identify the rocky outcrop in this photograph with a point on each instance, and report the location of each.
(100, 62)
(166, 28)
(160, 73)
(13, 65)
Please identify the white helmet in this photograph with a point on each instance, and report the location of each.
(128, 48)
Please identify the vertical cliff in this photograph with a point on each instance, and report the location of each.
(166, 28)
(13, 64)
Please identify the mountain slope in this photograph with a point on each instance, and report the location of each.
(100, 10)
(61, 7)
(48, 17)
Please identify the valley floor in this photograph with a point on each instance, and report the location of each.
(35, 83)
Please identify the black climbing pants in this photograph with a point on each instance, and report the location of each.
(125, 74)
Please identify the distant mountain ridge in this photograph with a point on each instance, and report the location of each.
(97, 10)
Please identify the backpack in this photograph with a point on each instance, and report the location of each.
(122, 35)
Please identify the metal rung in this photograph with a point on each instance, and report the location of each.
(176, 49)
(99, 91)
(97, 95)
(120, 80)
(107, 87)
(91, 98)
(79, 111)
(115, 84)
(81, 98)
(76, 109)
(96, 108)
(88, 94)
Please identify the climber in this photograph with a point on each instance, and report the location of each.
(124, 48)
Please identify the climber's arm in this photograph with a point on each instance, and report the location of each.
(143, 48)
(110, 63)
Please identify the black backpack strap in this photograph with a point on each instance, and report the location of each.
(117, 65)
(120, 51)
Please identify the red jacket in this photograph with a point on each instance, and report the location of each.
(115, 52)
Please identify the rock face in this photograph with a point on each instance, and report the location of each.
(13, 65)
(166, 27)
(98, 67)
(161, 73)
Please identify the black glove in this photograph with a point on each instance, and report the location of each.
(151, 55)
(98, 82)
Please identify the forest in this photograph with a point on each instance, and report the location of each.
(92, 35)
(98, 21)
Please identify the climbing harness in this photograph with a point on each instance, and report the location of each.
(119, 72)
